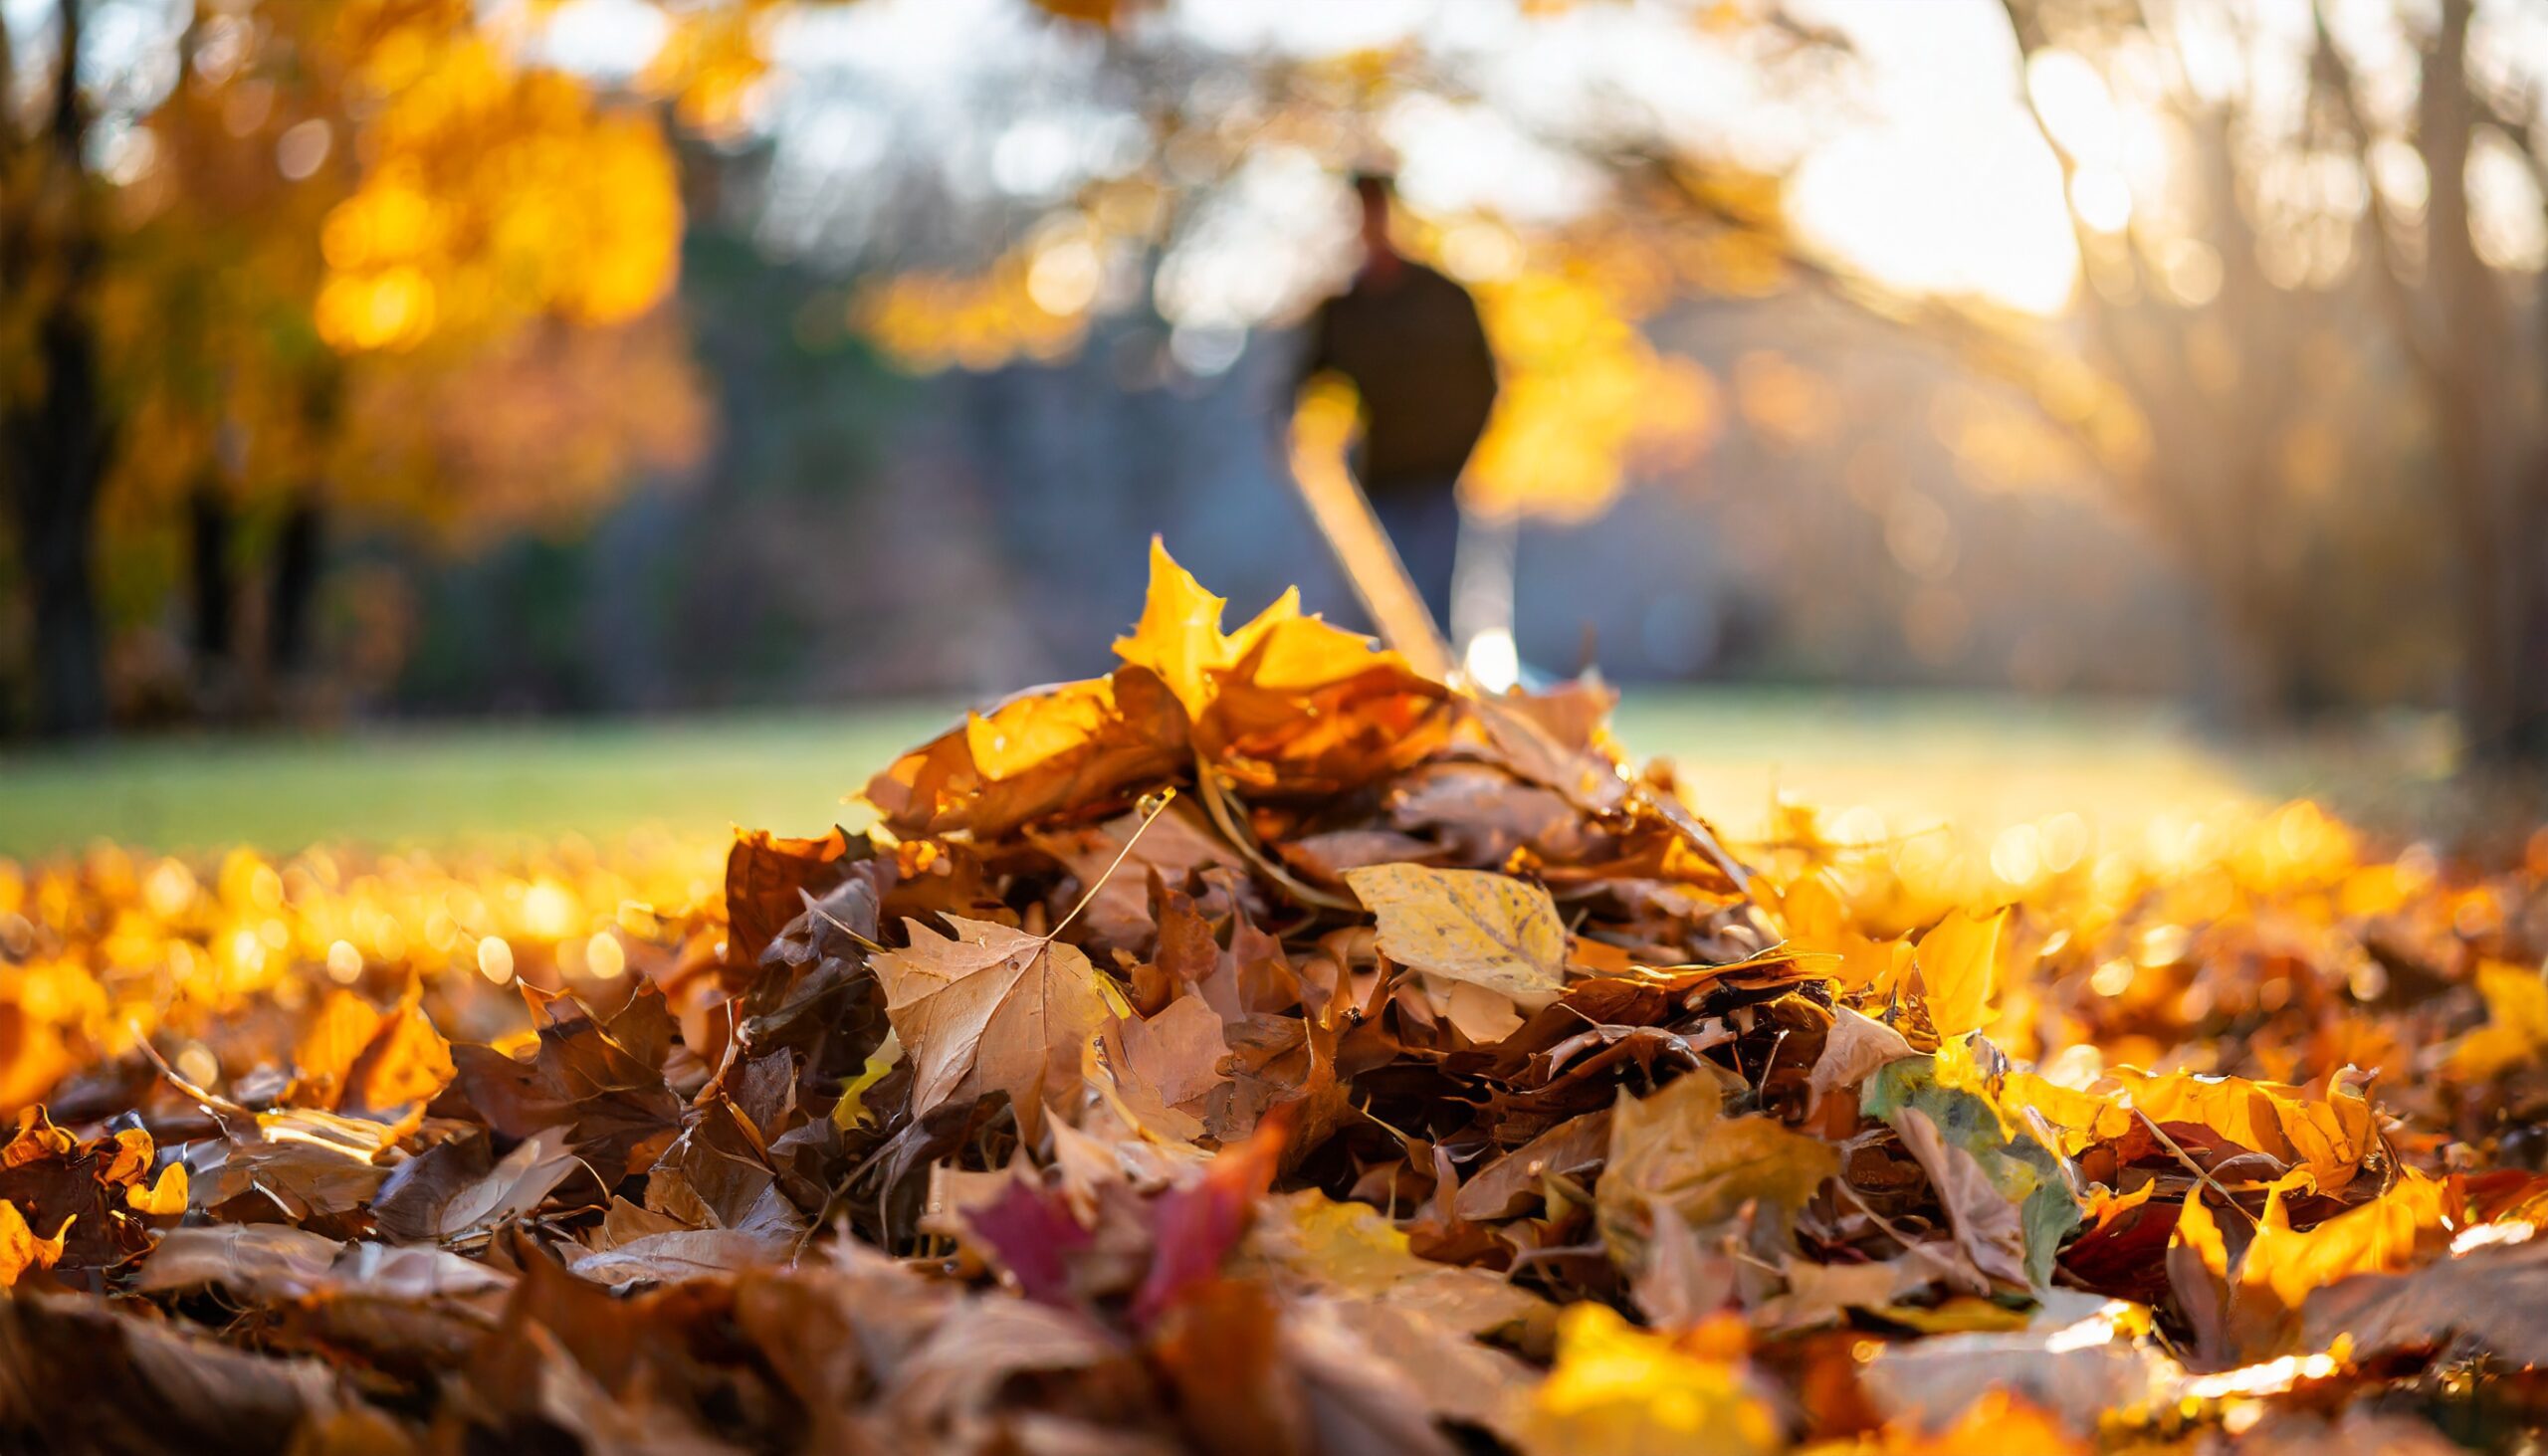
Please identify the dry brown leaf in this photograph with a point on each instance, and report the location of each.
(990, 1009)
(1857, 1045)
(1989, 1230)
(1677, 1149)
(1511, 1184)
(1037, 754)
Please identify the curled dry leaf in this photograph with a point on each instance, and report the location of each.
(1856, 1047)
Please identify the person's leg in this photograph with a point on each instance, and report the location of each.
(1424, 526)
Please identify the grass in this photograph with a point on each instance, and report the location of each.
(1983, 761)
(448, 786)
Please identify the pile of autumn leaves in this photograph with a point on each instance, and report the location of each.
(1263, 1048)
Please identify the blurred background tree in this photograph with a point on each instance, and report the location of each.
(2298, 268)
(292, 259)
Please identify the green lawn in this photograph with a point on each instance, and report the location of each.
(1983, 760)
(445, 785)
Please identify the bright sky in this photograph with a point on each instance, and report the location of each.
(1944, 184)
(1937, 180)
(1932, 177)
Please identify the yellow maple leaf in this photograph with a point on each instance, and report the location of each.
(1473, 925)
(1179, 635)
(1353, 1250)
(2403, 1227)
(2327, 1137)
(2200, 1234)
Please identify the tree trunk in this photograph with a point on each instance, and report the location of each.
(209, 530)
(2530, 555)
(2468, 384)
(299, 554)
(53, 438)
(2254, 665)
(56, 528)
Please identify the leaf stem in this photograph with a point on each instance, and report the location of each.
(1153, 805)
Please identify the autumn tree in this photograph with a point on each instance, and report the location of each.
(53, 429)
(355, 258)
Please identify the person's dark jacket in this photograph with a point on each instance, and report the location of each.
(1418, 354)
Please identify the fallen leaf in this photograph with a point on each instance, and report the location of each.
(767, 878)
(514, 1188)
(1856, 1048)
(1826, 1294)
(2410, 1225)
(990, 1009)
(1036, 755)
(2487, 1299)
(1511, 1184)
(1178, 1053)
(21, 1250)
(1989, 1230)
(165, 1198)
(601, 1081)
(1677, 1149)
(1616, 1391)
(1473, 925)
(2022, 1394)
(2006, 1195)
(1113, 863)
(252, 1261)
(2327, 1136)
(1195, 1225)
(2516, 1029)
(72, 1197)
(981, 1343)
(851, 1110)
(1179, 634)
(1958, 961)
(1352, 1250)
(81, 1378)
(679, 1255)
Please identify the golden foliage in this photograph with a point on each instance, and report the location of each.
(1584, 396)
(490, 195)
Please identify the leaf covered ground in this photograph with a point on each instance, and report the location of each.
(1262, 1048)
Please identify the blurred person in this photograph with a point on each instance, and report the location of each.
(1410, 341)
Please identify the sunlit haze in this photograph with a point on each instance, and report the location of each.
(1932, 177)
(1943, 184)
